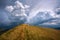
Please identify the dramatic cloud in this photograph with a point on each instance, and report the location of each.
(18, 10)
(35, 12)
(19, 4)
(9, 8)
(26, 6)
(50, 23)
(43, 5)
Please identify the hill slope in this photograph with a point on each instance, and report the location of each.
(27, 32)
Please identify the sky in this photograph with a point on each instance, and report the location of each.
(44, 13)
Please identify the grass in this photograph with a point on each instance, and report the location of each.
(27, 32)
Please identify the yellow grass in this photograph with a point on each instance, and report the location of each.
(27, 32)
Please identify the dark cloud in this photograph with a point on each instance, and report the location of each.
(3, 3)
(6, 17)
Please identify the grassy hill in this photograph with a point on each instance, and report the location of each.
(27, 32)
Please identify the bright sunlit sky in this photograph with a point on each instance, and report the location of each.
(33, 12)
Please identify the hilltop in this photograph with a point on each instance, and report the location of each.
(28, 32)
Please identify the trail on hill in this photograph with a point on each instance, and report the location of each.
(27, 32)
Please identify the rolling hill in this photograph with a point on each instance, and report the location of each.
(28, 32)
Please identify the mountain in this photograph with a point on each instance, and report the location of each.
(29, 32)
